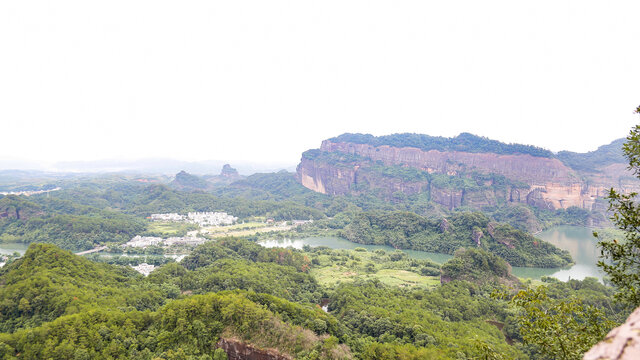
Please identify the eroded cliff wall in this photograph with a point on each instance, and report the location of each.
(542, 181)
(525, 168)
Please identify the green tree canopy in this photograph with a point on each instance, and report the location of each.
(621, 259)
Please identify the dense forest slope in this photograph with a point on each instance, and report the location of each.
(61, 306)
(464, 170)
(406, 230)
(48, 282)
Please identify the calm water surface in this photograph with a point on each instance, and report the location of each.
(10, 248)
(339, 243)
(579, 241)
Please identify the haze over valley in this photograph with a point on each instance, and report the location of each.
(280, 180)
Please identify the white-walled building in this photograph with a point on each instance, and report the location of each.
(211, 218)
(200, 218)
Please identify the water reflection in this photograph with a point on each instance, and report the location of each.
(579, 241)
(10, 248)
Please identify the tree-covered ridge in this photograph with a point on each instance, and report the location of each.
(143, 200)
(405, 230)
(111, 312)
(271, 186)
(464, 142)
(478, 266)
(17, 207)
(232, 263)
(189, 182)
(83, 217)
(238, 248)
(48, 282)
(334, 157)
(183, 329)
(89, 213)
(445, 323)
(603, 156)
(66, 224)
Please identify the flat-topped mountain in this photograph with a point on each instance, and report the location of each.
(464, 170)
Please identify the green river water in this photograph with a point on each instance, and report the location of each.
(10, 248)
(579, 241)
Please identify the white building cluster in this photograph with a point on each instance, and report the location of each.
(144, 268)
(211, 218)
(200, 218)
(28, 192)
(146, 241)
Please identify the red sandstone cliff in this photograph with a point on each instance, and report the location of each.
(238, 350)
(525, 168)
(549, 182)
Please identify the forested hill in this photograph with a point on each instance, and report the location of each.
(48, 282)
(605, 155)
(464, 142)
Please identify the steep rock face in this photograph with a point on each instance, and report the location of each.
(544, 182)
(237, 350)
(450, 198)
(326, 180)
(525, 168)
(14, 207)
(622, 343)
(229, 172)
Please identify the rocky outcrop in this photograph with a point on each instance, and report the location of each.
(525, 168)
(238, 350)
(476, 236)
(13, 207)
(449, 197)
(543, 182)
(228, 172)
(622, 343)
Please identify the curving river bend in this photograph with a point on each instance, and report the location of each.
(579, 241)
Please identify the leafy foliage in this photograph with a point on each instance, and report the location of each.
(410, 231)
(603, 156)
(230, 264)
(188, 328)
(559, 329)
(463, 142)
(47, 283)
(622, 262)
(186, 181)
(447, 319)
(478, 266)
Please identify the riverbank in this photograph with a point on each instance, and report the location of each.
(579, 241)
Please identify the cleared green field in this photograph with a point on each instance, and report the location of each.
(331, 275)
(246, 229)
(170, 228)
(248, 225)
(393, 269)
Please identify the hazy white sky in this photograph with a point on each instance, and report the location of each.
(266, 80)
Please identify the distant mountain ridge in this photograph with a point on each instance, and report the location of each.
(140, 166)
(604, 155)
(466, 170)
